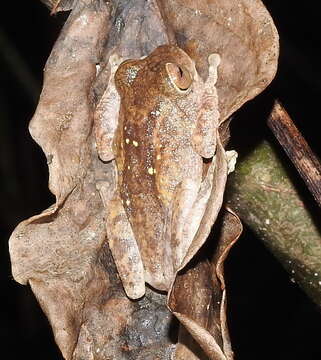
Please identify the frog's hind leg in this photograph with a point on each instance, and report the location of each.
(182, 207)
(124, 249)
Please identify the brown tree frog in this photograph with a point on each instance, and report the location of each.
(164, 122)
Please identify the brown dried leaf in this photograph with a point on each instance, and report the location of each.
(241, 31)
(57, 255)
(62, 122)
(62, 252)
(198, 298)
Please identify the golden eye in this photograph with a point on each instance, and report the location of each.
(179, 76)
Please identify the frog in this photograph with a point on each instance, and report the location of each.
(162, 125)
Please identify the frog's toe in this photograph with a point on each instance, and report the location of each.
(214, 60)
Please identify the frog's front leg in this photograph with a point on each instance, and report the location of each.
(124, 249)
(204, 135)
(107, 112)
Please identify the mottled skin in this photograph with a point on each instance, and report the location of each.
(167, 123)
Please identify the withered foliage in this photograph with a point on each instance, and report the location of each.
(63, 252)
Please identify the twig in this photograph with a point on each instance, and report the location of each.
(297, 149)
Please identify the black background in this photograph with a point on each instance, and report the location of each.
(270, 317)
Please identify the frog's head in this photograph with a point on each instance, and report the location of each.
(172, 70)
(167, 71)
(126, 75)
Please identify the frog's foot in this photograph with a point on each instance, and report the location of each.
(214, 61)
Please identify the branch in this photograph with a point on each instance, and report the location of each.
(297, 149)
(267, 200)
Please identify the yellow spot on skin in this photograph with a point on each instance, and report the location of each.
(150, 171)
(158, 157)
(127, 141)
(127, 202)
(125, 128)
(135, 143)
(128, 167)
(154, 171)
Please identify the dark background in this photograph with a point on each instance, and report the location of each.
(270, 317)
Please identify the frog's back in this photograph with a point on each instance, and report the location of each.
(154, 152)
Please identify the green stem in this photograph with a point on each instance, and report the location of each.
(263, 194)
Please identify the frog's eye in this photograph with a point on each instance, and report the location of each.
(179, 76)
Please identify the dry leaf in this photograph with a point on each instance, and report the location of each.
(242, 32)
(62, 252)
(198, 297)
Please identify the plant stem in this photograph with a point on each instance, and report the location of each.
(267, 200)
